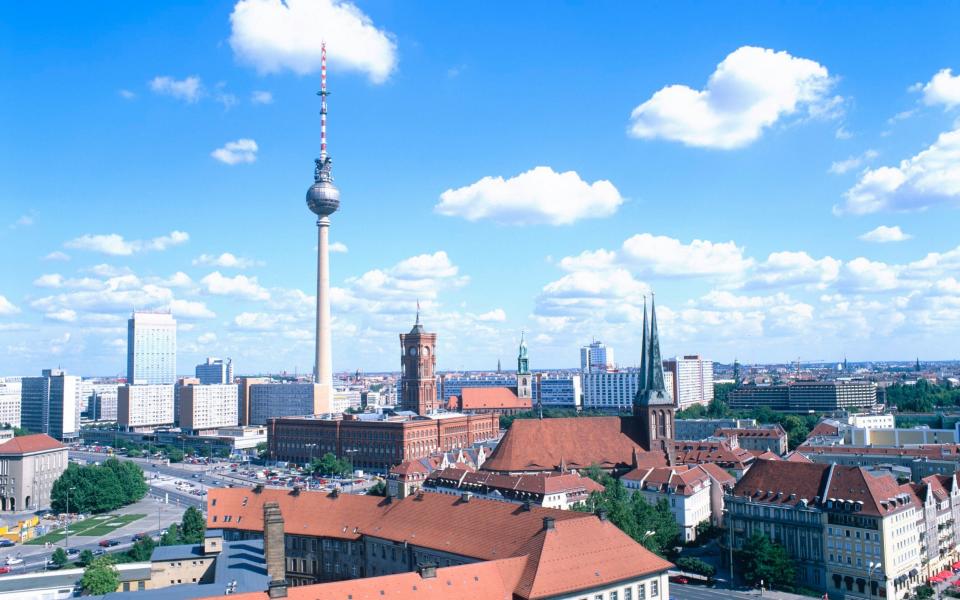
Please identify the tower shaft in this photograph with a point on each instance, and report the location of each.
(324, 357)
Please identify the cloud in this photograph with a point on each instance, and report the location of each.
(666, 256)
(338, 247)
(751, 89)
(538, 196)
(497, 315)
(189, 89)
(865, 275)
(795, 268)
(225, 260)
(127, 94)
(261, 97)
(177, 280)
(259, 321)
(189, 309)
(842, 133)
(207, 338)
(57, 255)
(943, 89)
(273, 35)
(884, 234)
(842, 166)
(23, 221)
(239, 286)
(928, 179)
(50, 280)
(64, 315)
(7, 308)
(98, 298)
(115, 245)
(240, 151)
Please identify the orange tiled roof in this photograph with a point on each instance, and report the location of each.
(26, 444)
(796, 457)
(478, 398)
(542, 444)
(408, 467)
(683, 479)
(769, 432)
(534, 483)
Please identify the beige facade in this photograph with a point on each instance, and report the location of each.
(143, 407)
(208, 407)
(29, 465)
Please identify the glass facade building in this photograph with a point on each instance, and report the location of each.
(151, 349)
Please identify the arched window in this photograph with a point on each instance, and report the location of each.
(662, 421)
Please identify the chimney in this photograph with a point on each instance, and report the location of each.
(527, 506)
(548, 523)
(602, 514)
(273, 550)
(465, 497)
(258, 488)
(335, 492)
(427, 571)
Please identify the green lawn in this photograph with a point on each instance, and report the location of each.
(92, 527)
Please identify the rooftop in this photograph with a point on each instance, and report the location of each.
(28, 444)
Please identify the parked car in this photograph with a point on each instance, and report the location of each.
(13, 561)
(4, 569)
(72, 552)
(679, 579)
(99, 552)
(139, 536)
(5, 543)
(109, 543)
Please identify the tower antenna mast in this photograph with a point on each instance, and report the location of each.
(323, 93)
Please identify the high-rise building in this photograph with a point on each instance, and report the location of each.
(151, 348)
(692, 380)
(614, 391)
(10, 390)
(273, 400)
(323, 199)
(144, 407)
(51, 404)
(596, 357)
(208, 407)
(418, 384)
(807, 396)
(101, 401)
(215, 371)
(243, 397)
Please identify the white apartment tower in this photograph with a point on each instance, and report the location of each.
(692, 380)
(151, 348)
(596, 358)
(144, 407)
(51, 404)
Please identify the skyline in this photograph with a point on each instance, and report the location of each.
(799, 202)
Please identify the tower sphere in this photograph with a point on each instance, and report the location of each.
(323, 198)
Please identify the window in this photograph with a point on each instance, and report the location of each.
(614, 596)
(627, 593)
(654, 588)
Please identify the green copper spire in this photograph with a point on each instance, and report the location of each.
(523, 367)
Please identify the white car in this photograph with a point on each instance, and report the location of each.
(13, 561)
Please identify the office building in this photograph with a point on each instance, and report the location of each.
(29, 465)
(274, 400)
(698, 429)
(206, 408)
(596, 357)
(151, 348)
(558, 391)
(345, 399)
(215, 371)
(101, 401)
(144, 407)
(51, 404)
(807, 396)
(243, 397)
(614, 391)
(10, 400)
(692, 380)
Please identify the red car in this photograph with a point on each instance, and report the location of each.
(678, 579)
(4, 569)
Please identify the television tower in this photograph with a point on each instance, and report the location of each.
(323, 199)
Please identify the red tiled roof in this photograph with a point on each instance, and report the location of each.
(712, 452)
(478, 398)
(769, 432)
(684, 479)
(408, 467)
(824, 428)
(542, 444)
(796, 457)
(949, 451)
(719, 474)
(27, 444)
(766, 455)
(534, 483)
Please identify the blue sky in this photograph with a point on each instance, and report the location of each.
(787, 182)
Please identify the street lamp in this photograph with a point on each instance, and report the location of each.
(67, 528)
(872, 566)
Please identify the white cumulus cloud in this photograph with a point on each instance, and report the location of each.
(277, 35)
(115, 245)
(669, 257)
(842, 166)
(57, 255)
(538, 196)
(261, 97)
(750, 90)
(7, 307)
(239, 286)
(190, 309)
(928, 179)
(338, 247)
(884, 234)
(188, 89)
(943, 88)
(497, 315)
(225, 260)
(240, 151)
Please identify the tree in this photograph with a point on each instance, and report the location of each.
(378, 489)
(653, 525)
(100, 577)
(175, 455)
(763, 560)
(85, 558)
(142, 549)
(329, 465)
(262, 450)
(170, 537)
(59, 557)
(192, 527)
(697, 566)
(98, 488)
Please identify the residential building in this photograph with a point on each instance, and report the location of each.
(51, 404)
(376, 442)
(549, 490)
(274, 400)
(694, 493)
(406, 478)
(596, 357)
(692, 380)
(10, 400)
(144, 407)
(698, 429)
(614, 391)
(182, 383)
(215, 371)
(102, 401)
(345, 399)
(151, 348)
(558, 390)
(849, 532)
(29, 465)
(940, 528)
(770, 438)
(807, 396)
(922, 461)
(483, 400)
(341, 545)
(206, 408)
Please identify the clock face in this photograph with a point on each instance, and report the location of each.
(413, 351)
(426, 350)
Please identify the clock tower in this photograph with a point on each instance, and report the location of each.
(418, 384)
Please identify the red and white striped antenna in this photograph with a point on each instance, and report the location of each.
(323, 101)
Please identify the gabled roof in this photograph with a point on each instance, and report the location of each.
(684, 480)
(479, 398)
(720, 451)
(796, 457)
(541, 444)
(409, 467)
(533, 483)
(27, 444)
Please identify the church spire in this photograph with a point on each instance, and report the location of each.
(643, 347)
(654, 363)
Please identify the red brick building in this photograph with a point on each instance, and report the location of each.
(376, 444)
